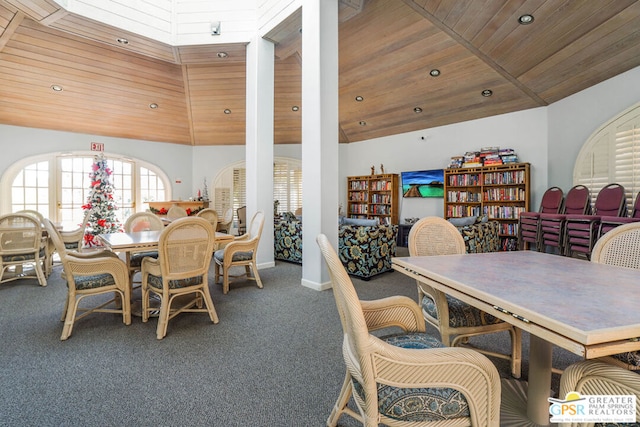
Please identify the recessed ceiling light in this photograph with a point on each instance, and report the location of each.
(525, 19)
(417, 110)
(122, 40)
(434, 73)
(153, 105)
(359, 98)
(295, 108)
(56, 88)
(487, 92)
(222, 54)
(227, 111)
(362, 123)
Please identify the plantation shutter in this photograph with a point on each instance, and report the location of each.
(287, 186)
(239, 190)
(612, 155)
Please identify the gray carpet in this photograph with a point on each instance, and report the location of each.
(273, 360)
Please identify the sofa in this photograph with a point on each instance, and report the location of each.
(480, 235)
(365, 250)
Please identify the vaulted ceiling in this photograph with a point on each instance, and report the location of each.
(387, 50)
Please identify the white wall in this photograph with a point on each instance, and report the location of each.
(18, 142)
(573, 119)
(524, 131)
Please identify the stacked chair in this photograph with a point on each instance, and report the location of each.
(551, 228)
(409, 378)
(581, 231)
(608, 223)
(529, 222)
(23, 251)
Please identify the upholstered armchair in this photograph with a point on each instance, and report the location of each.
(366, 250)
(405, 379)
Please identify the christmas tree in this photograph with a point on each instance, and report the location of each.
(101, 204)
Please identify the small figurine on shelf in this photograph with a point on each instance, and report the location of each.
(373, 170)
(381, 168)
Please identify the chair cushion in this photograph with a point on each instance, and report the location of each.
(22, 257)
(631, 358)
(137, 257)
(156, 282)
(417, 404)
(93, 282)
(237, 257)
(461, 314)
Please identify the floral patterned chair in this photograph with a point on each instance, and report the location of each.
(366, 250)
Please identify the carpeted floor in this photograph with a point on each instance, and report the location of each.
(273, 360)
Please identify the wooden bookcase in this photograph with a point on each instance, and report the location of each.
(499, 191)
(373, 196)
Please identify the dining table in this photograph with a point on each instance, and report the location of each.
(588, 308)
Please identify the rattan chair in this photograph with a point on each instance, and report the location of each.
(408, 378)
(22, 245)
(49, 250)
(240, 253)
(90, 274)
(242, 220)
(210, 215)
(455, 320)
(176, 212)
(592, 377)
(621, 247)
(224, 222)
(181, 269)
(529, 222)
(141, 221)
(582, 230)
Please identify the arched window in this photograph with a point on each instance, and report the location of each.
(57, 185)
(612, 154)
(230, 186)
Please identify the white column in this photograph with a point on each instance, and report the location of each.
(320, 187)
(259, 146)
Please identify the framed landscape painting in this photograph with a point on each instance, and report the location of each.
(426, 183)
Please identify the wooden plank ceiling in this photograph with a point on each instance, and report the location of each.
(387, 49)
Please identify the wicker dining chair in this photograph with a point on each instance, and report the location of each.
(224, 222)
(242, 220)
(176, 212)
(593, 377)
(49, 249)
(240, 253)
(141, 221)
(22, 245)
(88, 275)
(181, 269)
(408, 378)
(456, 321)
(621, 247)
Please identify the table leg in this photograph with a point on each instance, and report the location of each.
(539, 380)
(526, 405)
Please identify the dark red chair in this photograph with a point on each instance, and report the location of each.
(577, 201)
(529, 222)
(582, 230)
(608, 223)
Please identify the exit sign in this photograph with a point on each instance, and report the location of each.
(97, 146)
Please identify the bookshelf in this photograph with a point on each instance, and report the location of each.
(373, 196)
(499, 191)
